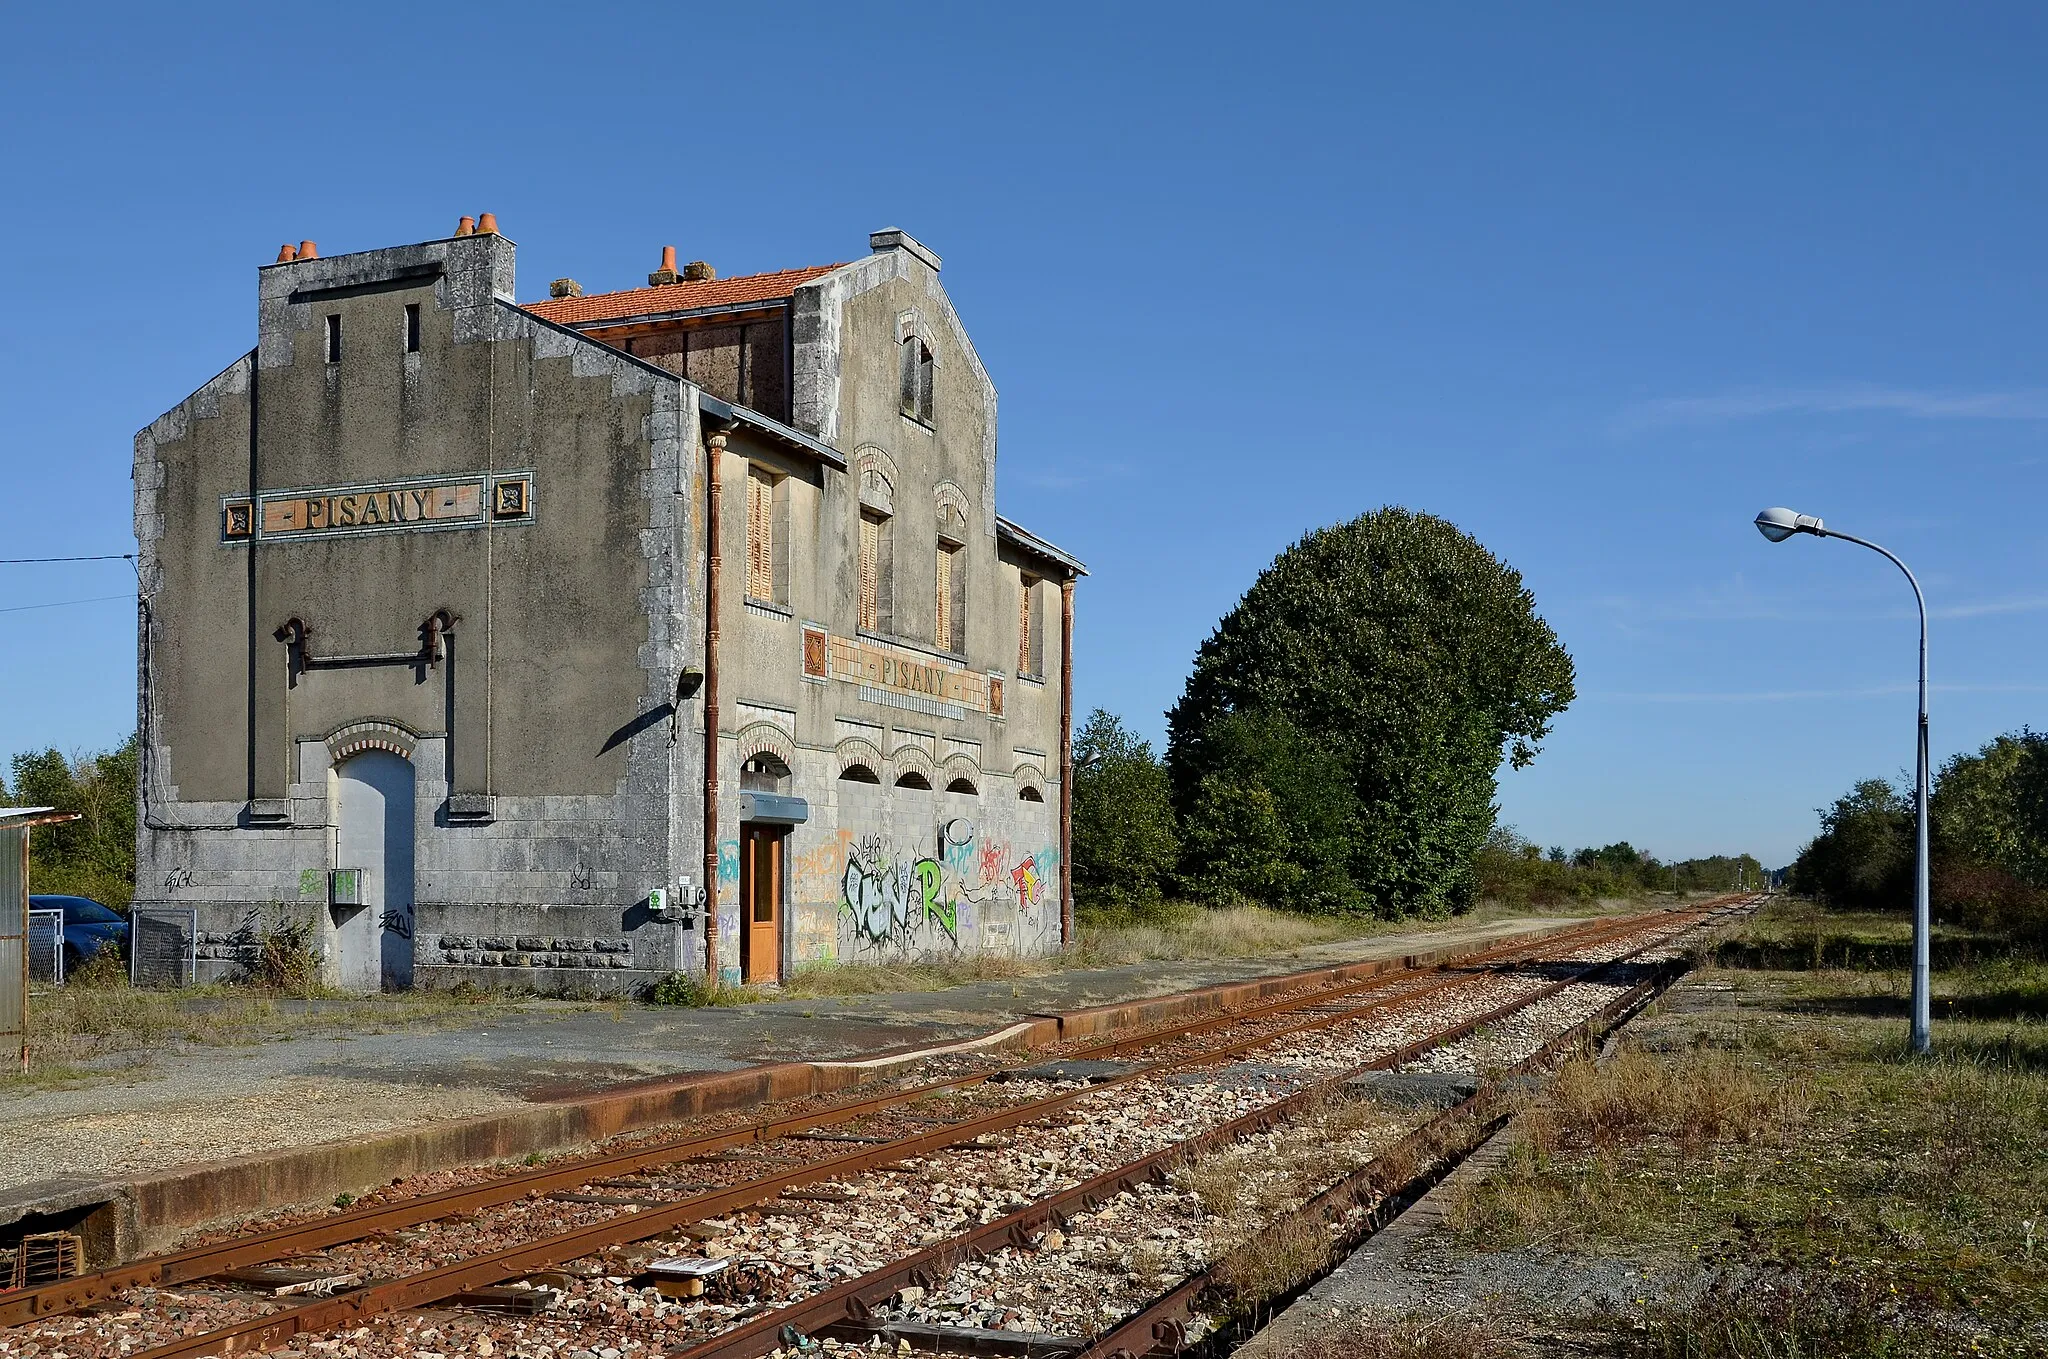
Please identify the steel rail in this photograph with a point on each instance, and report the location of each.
(1159, 1329)
(849, 1305)
(434, 1285)
(29, 1304)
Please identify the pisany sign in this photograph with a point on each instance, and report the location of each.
(467, 501)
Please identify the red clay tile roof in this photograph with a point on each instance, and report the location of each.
(668, 297)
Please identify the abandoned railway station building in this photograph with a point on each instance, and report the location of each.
(443, 591)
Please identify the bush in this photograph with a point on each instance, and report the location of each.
(105, 968)
(1124, 838)
(277, 955)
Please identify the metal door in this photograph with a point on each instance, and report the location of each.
(372, 941)
(760, 904)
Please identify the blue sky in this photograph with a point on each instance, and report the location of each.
(1595, 283)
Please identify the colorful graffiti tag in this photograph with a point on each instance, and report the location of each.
(891, 900)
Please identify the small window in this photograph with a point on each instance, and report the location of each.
(947, 599)
(1029, 794)
(760, 536)
(1030, 630)
(412, 328)
(913, 779)
(871, 569)
(857, 773)
(916, 379)
(961, 786)
(334, 337)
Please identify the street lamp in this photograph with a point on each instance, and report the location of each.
(1778, 524)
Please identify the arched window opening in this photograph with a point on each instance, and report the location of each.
(912, 779)
(961, 786)
(857, 773)
(764, 773)
(1029, 794)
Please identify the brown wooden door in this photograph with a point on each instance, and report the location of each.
(760, 905)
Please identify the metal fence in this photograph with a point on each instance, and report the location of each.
(163, 945)
(46, 947)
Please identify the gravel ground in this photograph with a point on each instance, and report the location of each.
(849, 1225)
(192, 1103)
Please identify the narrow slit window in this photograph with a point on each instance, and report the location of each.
(870, 573)
(943, 632)
(334, 338)
(760, 536)
(412, 328)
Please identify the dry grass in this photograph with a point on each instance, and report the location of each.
(73, 1024)
(1568, 1175)
(863, 979)
(1413, 1337)
(1248, 1193)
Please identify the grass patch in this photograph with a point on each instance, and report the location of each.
(1770, 1141)
(73, 1024)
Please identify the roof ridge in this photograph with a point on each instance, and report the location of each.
(683, 295)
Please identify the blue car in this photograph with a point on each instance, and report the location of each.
(88, 927)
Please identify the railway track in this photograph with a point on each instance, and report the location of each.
(982, 1159)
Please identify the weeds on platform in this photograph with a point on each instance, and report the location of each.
(1772, 1130)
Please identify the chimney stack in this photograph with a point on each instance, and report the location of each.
(698, 271)
(466, 227)
(667, 273)
(565, 287)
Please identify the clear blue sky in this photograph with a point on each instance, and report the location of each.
(1595, 283)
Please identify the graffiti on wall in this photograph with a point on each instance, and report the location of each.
(728, 862)
(904, 901)
(893, 900)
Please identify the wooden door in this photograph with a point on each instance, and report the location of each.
(760, 904)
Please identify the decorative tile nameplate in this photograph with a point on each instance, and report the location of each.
(465, 501)
(909, 674)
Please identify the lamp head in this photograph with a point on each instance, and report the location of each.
(1779, 523)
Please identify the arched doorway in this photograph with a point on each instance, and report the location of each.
(373, 941)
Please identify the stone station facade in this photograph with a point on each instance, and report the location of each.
(426, 638)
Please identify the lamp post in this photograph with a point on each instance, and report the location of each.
(1778, 524)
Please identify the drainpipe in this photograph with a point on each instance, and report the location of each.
(714, 473)
(1067, 762)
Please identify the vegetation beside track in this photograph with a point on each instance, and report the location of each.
(1788, 1178)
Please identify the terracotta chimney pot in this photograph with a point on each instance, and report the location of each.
(285, 253)
(466, 227)
(308, 251)
(487, 225)
(667, 273)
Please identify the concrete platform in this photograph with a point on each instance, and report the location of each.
(206, 1134)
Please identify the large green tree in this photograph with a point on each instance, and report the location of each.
(1863, 857)
(93, 856)
(1405, 659)
(1124, 841)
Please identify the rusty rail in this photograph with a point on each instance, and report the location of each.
(851, 1303)
(1159, 1330)
(24, 1305)
(429, 1286)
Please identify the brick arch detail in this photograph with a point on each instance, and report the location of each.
(960, 767)
(375, 734)
(765, 738)
(947, 496)
(873, 458)
(1030, 776)
(857, 750)
(910, 759)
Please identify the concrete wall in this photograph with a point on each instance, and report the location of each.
(553, 788)
(873, 875)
